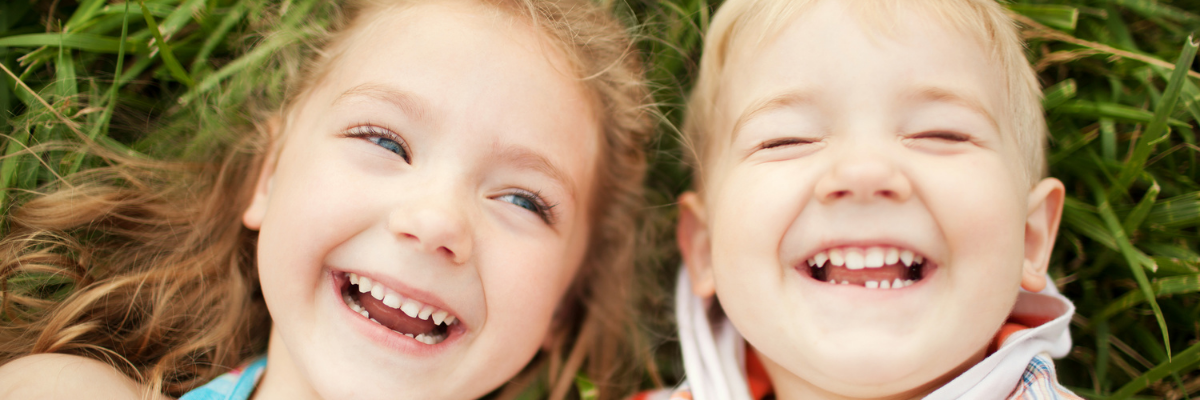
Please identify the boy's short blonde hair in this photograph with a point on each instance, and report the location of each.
(754, 22)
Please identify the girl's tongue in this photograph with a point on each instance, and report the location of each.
(392, 318)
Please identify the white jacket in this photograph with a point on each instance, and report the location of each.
(714, 359)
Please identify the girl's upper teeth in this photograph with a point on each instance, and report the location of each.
(410, 307)
(870, 257)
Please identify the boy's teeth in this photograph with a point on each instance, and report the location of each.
(364, 284)
(854, 260)
(835, 257)
(906, 257)
(450, 319)
(873, 258)
(918, 259)
(885, 285)
(439, 316)
(353, 278)
(821, 258)
(871, 284)
(896, 284)
(425, 312)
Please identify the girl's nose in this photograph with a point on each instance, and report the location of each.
(435, 226)
(863, 176)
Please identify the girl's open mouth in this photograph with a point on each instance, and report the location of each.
(876, 267)
(374, 301)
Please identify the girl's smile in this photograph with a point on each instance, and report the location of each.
(421, 225)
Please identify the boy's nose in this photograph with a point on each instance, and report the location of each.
(863, 178)
(434, 226)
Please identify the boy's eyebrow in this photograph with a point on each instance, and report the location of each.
(410, 103)
(942, 95)
(789, 99)
(526, 158)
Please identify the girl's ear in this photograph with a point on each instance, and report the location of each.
(1041, 227)
(253, 217)
(695, 244)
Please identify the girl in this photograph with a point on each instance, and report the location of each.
(442, 205)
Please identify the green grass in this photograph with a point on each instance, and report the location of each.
(1121, 105)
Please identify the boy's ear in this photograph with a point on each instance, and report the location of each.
(252, 218)
(1041, 227)
(695, 244)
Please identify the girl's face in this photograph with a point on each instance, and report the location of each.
(437, 182)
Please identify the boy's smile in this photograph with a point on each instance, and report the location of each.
(851, 159)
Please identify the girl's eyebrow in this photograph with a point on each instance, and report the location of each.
(410, 103)
(526, 158)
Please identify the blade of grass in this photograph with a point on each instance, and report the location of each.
(1152, 9)
(101, 127)
(1158, 127)
(1160, 287)
(1108, 139)
(227, 23)
(1055, 16)
(1134, 220)
(1059, 93)
(87, 9)
(1176, 212)
(1133, 257)
(81, 41)
(1040, 31)
(64, 80)
(1110, 110)
(253, 58)
(8, 168)
(1185, 358)
(164, 48)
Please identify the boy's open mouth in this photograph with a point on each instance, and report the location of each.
(876, 267)
(424, 323)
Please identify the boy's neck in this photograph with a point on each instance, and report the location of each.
(788, 386)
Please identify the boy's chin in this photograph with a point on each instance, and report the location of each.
(869, 366)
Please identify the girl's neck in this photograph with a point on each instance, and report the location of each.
(282, 380)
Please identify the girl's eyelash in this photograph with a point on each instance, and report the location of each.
(544, 210)
(773, 143)
(368, 131)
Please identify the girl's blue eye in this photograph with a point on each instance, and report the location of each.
(390, 145)
(381, 137)
(522, 202)
(530, 202)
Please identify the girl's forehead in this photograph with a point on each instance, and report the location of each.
(437, 70)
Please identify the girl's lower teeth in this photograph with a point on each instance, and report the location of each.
(430, 339)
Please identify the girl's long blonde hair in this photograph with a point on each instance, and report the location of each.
(146, 265)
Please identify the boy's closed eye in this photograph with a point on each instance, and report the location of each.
(939, 141)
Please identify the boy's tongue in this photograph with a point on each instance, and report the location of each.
(392, 318)
(859, 277)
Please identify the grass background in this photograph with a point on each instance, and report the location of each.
(158, 79)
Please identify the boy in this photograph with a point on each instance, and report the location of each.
(869, 203)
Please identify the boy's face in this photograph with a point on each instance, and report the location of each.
(875, 145)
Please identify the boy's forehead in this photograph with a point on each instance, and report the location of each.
(829, 46)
